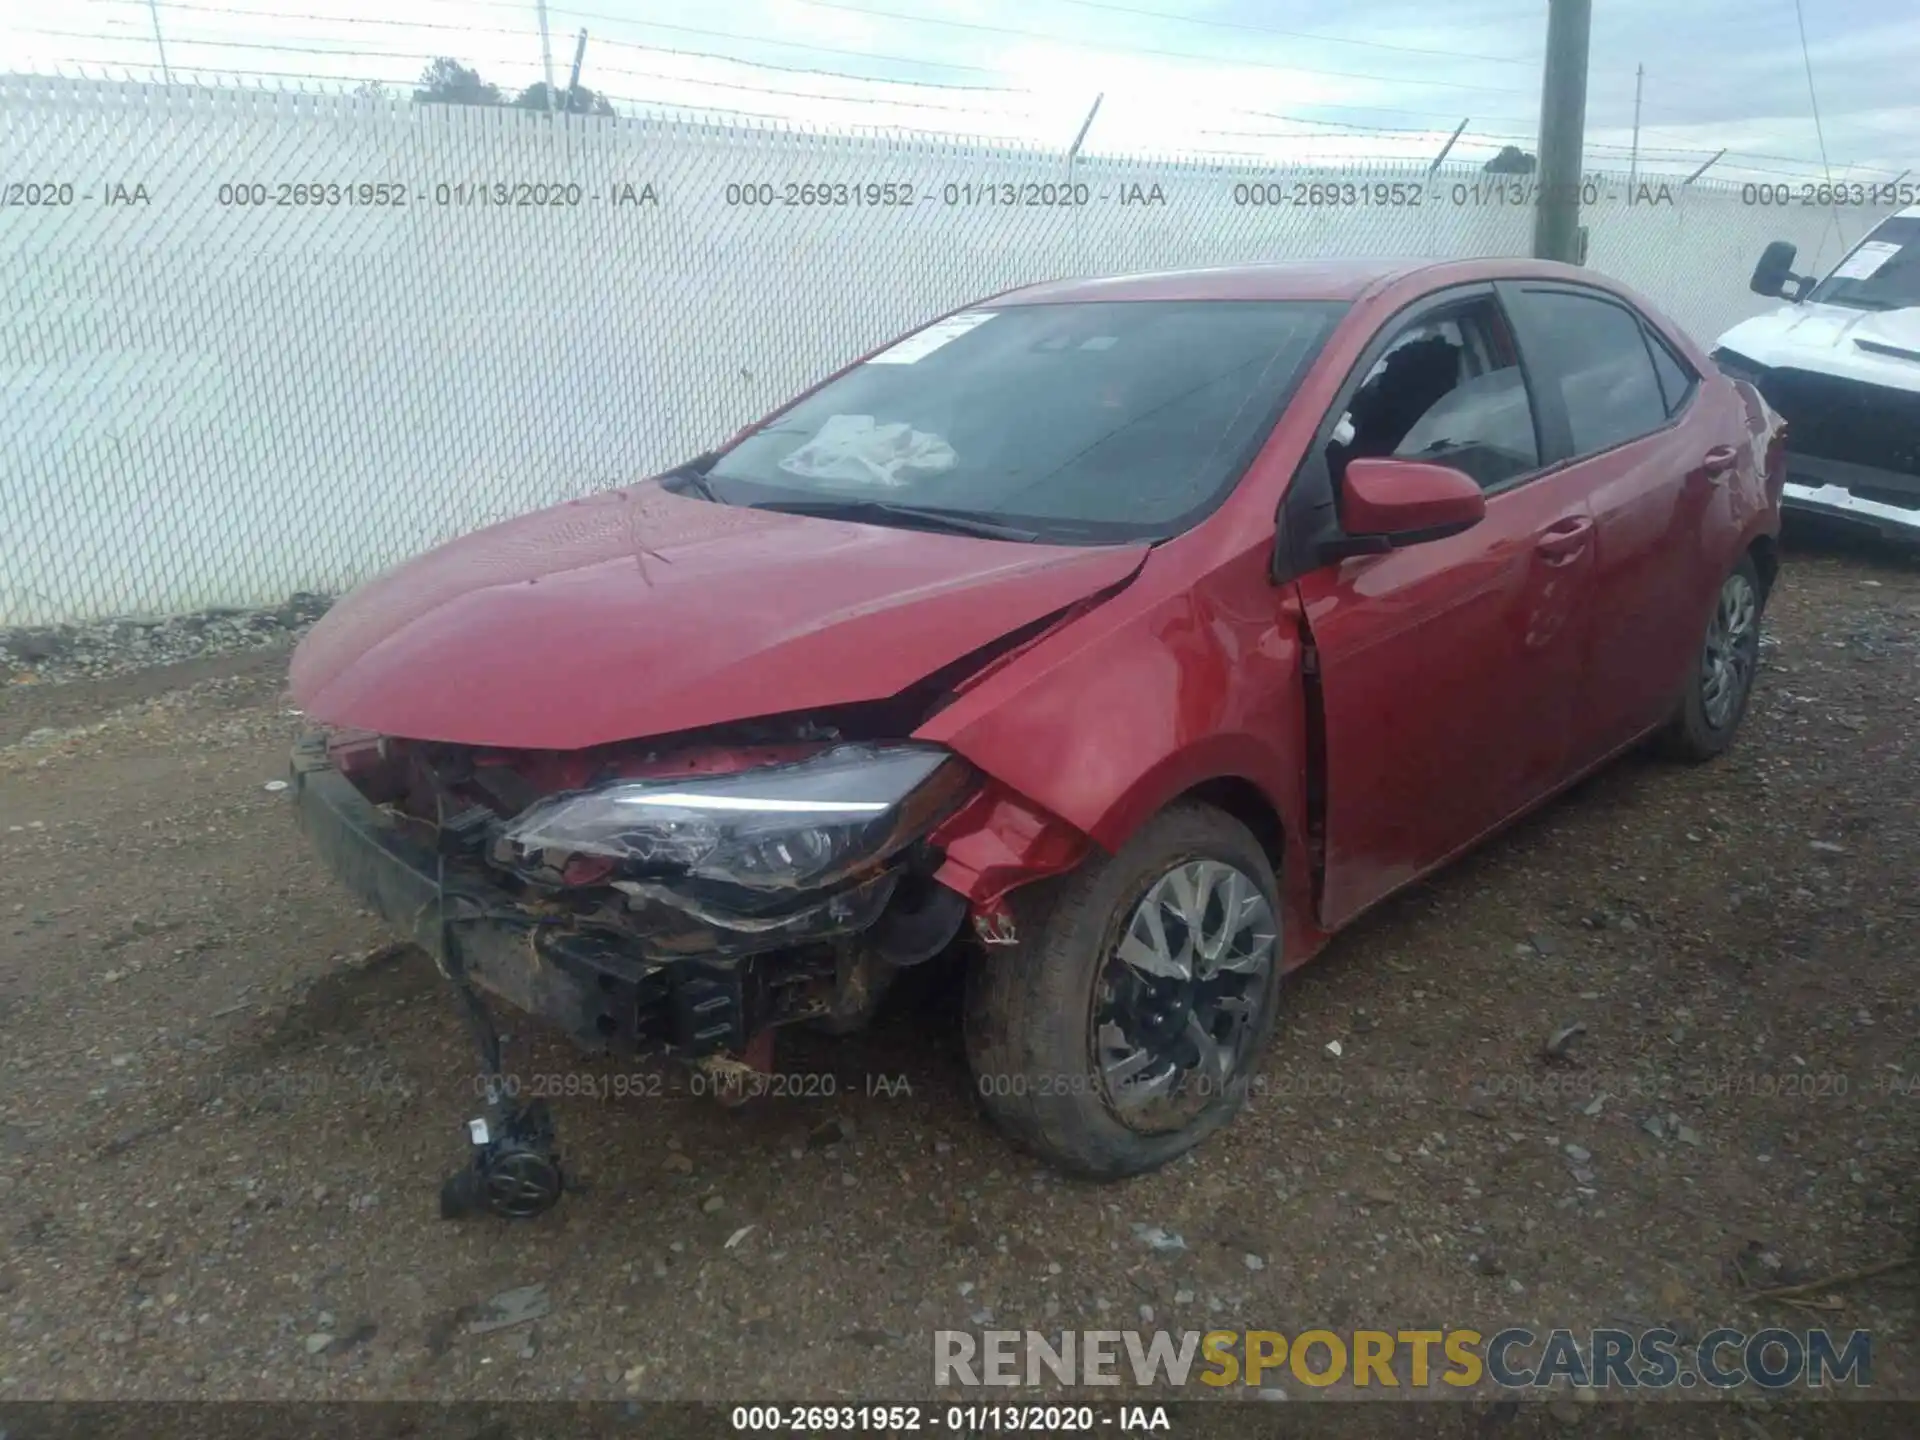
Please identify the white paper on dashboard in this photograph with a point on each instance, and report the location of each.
(924, 343)
(1867, 259)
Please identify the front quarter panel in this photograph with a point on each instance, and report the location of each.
(1166, 688)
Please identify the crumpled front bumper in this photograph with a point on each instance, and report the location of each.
(600, 987)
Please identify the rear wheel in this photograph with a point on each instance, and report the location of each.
(1124, 1027)
(1716, 696)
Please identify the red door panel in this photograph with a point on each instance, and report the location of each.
(1661, 508)
(1450, 672)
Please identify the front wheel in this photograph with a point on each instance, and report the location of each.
(1125, 1025)
(1716, 696)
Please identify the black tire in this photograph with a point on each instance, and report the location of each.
(1700, 729)
(1029, 1012)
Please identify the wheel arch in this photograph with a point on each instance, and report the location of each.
(1233, 781)
(1764, 551)
(1246, 802)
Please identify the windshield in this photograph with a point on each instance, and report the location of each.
(1074, 423)
(1882, 273)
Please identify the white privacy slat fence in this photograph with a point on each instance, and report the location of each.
(207, 401)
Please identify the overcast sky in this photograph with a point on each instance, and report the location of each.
(1370, 77)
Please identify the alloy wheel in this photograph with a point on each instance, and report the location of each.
(1732, 651)
(1177, 999)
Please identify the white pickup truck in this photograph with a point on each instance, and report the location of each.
(1841, 361)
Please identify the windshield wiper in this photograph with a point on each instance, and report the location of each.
(880, 511)
(693, 476)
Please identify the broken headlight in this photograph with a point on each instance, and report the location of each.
(806, 825)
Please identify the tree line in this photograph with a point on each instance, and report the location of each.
(447, 82)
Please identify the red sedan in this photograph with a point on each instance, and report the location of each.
(1129, 635)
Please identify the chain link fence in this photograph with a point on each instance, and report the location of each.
(254, 342)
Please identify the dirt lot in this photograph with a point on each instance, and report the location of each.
(228, 1110)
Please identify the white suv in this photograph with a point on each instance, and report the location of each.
(1841, 361)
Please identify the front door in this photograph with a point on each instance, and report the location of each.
(1448, 670)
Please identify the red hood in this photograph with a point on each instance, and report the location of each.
(640, 612)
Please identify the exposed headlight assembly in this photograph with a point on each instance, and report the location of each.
(754, 835)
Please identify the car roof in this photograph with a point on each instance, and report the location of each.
(1347, 279)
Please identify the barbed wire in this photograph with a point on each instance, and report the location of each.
(531, 32)
(1112, 6)
(722, 115)
(572, 14)
(1415, 139)
(984, 27)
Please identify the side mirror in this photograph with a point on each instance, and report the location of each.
(1773, 275)
(1386, 503)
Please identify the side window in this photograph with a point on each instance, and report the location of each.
(1599, 353)
(1448, 389)
(1676, 376)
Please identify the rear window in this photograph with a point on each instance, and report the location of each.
(1599, 354)
(1676, 376)
(1080, 422)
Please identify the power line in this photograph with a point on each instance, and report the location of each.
(1813, 97)
(1808, 161)
(807, 70)
(600, 16)
(1148, 50)
(362, 52)
(704, 81)
(559, 12)
(1106, 5)
(295, 48)
(283, 47)
(344, 84)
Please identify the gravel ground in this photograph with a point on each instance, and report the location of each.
(231, 1103)
(52, 654)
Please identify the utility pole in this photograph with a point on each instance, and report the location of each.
(1447, 149)
(573, 80)
(1633, 166)
(1563, 113)
(153, 8)
(1073, 150)
(546, 56)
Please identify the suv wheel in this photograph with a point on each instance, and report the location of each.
(1124, 1026)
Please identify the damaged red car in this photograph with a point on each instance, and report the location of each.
(1129, 636)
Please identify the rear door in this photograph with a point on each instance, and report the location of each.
(1448, 671)
(1627, 407)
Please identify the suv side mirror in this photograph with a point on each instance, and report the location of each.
(1773, 274)
(1387, 503)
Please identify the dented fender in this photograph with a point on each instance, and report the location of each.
(999, 841)
(1165, 688)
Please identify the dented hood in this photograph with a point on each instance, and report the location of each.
(640, 612)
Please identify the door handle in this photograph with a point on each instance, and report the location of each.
(1565, 541)
(1718, 461)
